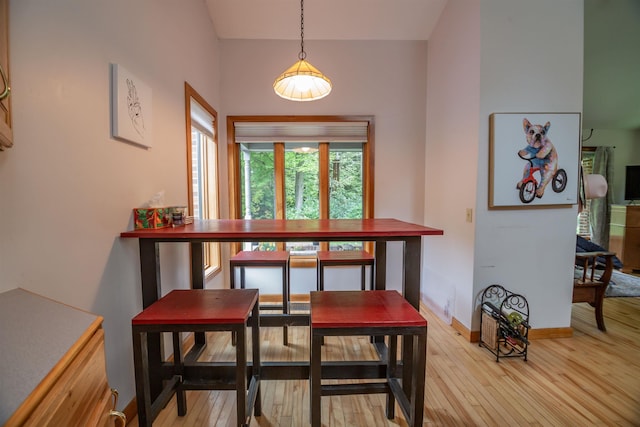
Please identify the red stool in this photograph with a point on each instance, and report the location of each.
(344, 258)
(375, 313)
(264, 259)
(198, 310)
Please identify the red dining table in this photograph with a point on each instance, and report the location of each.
(377, 230)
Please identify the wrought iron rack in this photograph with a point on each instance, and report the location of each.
(504, 323)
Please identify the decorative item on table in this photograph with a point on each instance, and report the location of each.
(151, 217)
(178, 215)
(153, 213)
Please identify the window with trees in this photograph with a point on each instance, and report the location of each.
(301, 168)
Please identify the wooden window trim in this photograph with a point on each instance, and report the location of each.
(213, 249)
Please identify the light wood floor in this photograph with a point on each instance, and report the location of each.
(592, 378)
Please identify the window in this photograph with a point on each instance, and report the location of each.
(202, 167)
(584, 226)
(301, 168)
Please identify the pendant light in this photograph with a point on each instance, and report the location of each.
(302, 81)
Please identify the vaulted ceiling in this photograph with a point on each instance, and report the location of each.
(612, 37)
(326, 19)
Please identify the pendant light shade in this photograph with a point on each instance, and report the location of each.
(302, 81)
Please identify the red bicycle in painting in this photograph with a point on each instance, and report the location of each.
(530, 183)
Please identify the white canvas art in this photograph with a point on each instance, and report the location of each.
(131, 107)
(533, 160)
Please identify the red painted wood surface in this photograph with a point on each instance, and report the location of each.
(340, 309)
(200, 306)
(260, 257)
(265, 229)
(346, 257)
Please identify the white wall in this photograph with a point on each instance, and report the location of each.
(384, 79)
(66, 187)
(521, 69)
(524, 69)
(453, 99)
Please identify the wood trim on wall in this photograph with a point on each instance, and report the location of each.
(534, 334)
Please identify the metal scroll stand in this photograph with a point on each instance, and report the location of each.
(504, 323)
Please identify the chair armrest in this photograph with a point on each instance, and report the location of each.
(588, 261)
(596, 254)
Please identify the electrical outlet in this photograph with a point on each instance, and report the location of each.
(469, 215)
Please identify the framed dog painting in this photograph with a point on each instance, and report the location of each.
(533, 160)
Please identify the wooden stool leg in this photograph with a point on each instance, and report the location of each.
(178, 361)
(285, 302)
(599, 312)
(241, 376)
(255, 357)
(320, 272)
(321, 285)
(407, 364)
(143, 388)
(417, 387)
(315, 379)
(232, 285)
(391, 369)
(234, 338)
(372, 277)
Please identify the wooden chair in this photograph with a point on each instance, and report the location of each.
(591, 286)
(270, 259)
(345, 258)
(199, 310)
(375, 313)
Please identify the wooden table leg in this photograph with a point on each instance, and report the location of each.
(411, 291)
(150, 276)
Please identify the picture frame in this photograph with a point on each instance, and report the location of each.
(534, 160)
(131, 115)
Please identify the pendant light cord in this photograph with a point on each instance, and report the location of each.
(302, 55)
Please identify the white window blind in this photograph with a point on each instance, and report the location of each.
(584, 228)
(249, 132)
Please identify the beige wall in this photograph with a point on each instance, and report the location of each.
(66, 187)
